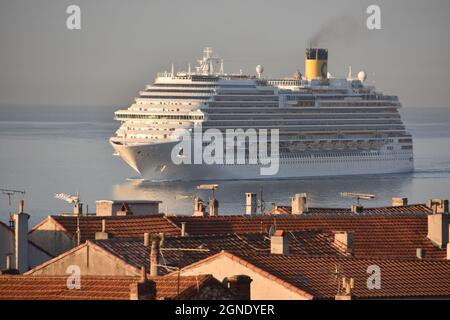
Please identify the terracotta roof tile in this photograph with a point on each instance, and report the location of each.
(116, 226)
(181, 251)
(374, 235)
(94, 287)
(317, 275)
(413, 208)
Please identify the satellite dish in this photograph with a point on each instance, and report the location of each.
(272, 230)
(362, 76)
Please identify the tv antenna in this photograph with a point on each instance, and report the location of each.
(358, 196)
(11, 192)
(261, 203)
(212, 187)
(72, 199)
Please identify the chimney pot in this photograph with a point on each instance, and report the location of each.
(147, 239)
(213, 207)
(199, 208)
(145, 289)
(279, 243)
(438, 205)
(347, 287)
(78, 209)
(356, 208)
(298, 204)
(251, 203)
(21, 206)
(240, 286)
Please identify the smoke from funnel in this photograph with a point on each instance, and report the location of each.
(341, 29)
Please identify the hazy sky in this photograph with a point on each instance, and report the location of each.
(122, 44)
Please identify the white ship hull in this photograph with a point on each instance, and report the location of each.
(153, 162)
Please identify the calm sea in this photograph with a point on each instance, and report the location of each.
(50, 156)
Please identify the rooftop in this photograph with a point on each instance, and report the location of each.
(317, 277)
(181, 251)
(395, 235)
(95, 287)
(116, 226)
(395, 232)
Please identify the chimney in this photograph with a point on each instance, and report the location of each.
(8, 267)
(239, 285)
(199, 208)
(21, 239)
(298, 204)
(399, 202)
(279, 243)
(146, 239)
(183, 229)
(420, 253)
(344, 241)
(213, 207)
(103, 235)
(144, 289)
(356, 208)
(251, 203)
(346, 290)
(154, 257)
(438, 228)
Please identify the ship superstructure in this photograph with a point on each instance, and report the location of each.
(327, 125)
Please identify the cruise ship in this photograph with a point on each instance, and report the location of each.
(327, 126)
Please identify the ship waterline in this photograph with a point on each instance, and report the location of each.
(327, 126)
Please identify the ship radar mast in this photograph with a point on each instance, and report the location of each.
(208, 62)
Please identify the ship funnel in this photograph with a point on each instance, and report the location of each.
(316, 64)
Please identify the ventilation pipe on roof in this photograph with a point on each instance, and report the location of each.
(183, 229)
(21, 238)
(279, 243)
(103, 235)
(399, 202)
(298, 204)
(251, 203)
